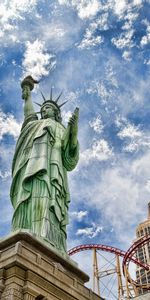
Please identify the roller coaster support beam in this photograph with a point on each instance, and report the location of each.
(120, 285)
(95, 272)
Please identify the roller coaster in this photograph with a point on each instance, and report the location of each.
(125, 285)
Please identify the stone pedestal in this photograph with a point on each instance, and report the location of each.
(31, 270)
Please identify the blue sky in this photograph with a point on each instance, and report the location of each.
(98, 53)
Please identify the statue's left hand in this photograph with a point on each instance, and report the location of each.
(73, 122)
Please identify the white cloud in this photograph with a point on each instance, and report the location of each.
(100, 151)
(131, 147)
(106, 90)
(57, 32)
(72, 96)
(147, 185)
(146, 38)
(97, 124)
(90, 41)
(90, 232)
(103, 91)
(111, 75)
(8, 125)
(147, 62)
(138, 144)
(127, 55)
(107, 87)
(37, 62)
(121, 7)
(124, 40)
(135, 139)
(130, 18)
(13, 10)
(130, 131)
(137, 2)
(5, 174)
(121, 195)
(66, 116)
(101, 22)
(128, 13)
(91, 38)
(84, 8)
(79, 215)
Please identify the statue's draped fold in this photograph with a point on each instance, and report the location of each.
(39, 190)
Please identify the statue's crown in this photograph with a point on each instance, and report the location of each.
(51, 101)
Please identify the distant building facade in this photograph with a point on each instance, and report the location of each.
(143, 253)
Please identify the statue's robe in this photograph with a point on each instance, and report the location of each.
(39, 190)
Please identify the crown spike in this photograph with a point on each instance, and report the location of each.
(43, 96)
(51, 94)
(38, 104)
(63, 104)
(58, 97)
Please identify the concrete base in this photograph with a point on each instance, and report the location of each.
(31, 270)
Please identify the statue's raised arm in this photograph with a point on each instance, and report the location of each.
(27, 86)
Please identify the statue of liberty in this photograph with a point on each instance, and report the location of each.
(45, 151)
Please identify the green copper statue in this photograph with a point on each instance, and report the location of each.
(45, 151)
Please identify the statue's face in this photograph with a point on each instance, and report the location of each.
(48, 111)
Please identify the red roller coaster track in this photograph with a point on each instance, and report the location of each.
(127, 255)
(132, 250)
(98, 247)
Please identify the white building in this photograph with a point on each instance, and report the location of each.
(143, 254)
